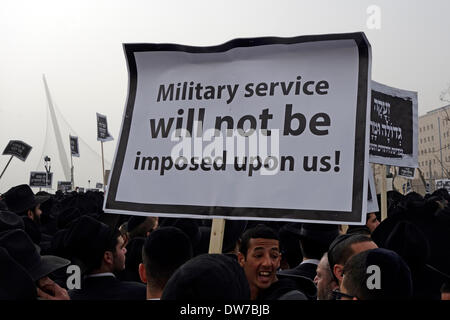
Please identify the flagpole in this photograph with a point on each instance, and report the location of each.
(103, 168)
(71, 170)
(1, 175)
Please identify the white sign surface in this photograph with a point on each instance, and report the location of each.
(295, 148)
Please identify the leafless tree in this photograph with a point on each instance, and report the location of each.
(445, 94)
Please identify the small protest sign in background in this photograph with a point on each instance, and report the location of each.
(17, 148)
(74, 151)
(64, 186)
(393, 126)
(41, 179)
(406, 172)
(102, 129)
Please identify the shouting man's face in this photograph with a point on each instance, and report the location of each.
(261, 263)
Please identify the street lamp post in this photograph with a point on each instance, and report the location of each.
(47, 168)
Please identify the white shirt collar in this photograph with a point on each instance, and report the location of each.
(103, 274)
(313, 261)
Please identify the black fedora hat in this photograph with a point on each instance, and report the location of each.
(321, 233)
(208, 277)
(87, 239)
(21, 248)
(21, 197)
(15, 282)
(10, 221)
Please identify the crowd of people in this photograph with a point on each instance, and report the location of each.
(63, 246)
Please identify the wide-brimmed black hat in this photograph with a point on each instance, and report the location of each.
(21, 197)
(87, 239)
(21, 248)
(10, 221)
(134, 222)
(396, 282)
(320, 233)
(208, 277)
(68, 215)
(188, 226)
(15, 282)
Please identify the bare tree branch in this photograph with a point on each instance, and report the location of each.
(445, 94)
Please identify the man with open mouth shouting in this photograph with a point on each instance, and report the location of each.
(260, 256)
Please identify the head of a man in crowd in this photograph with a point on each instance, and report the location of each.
(372, 221)
(445, 290)
(259, 254)
(99, 247)
(22, 201)
(324, 280)
(164, 251)
(376, 274)
(140, 226)
(343, 248)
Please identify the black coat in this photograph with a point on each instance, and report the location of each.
(307, 270)
(108, 288)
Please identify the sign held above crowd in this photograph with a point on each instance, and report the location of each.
(406, 172)
(41, 179)
(18, 149)
(256, 128)
(393, 126)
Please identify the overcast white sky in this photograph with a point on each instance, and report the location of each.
(78, 45)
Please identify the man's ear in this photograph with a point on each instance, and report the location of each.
(241, 259)
(338, 270)
(30, 214)
(108, 257)
(142, 274)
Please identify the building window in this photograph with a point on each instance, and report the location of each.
(431, 126)
(432, 138)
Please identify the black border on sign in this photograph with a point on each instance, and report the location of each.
(275, 213)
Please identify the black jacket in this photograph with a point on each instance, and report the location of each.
(108, 288)
(307, 270)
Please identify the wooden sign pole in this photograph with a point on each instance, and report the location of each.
(383, 193)
(103, 168)
(1, 175)
(216, 239)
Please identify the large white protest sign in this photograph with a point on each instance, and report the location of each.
(262, 128)
(393, 126)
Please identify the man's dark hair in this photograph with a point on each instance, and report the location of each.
(395, 276)
(113, 240)
(356, 276)
(445, 288)
(260, 231)
(312, 249)
(164, 251)
(341, 249)
(142, 228)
